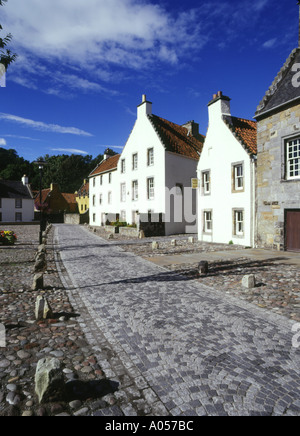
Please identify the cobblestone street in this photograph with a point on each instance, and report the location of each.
(175, 345)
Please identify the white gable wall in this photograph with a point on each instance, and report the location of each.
(142, 138)
(179, 171)
(221, 151)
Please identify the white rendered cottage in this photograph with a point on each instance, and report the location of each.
(16, 201)
(153, 174)
(226, 173)
(103, 184)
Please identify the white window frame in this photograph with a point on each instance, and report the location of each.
(238, 222)
(238, 177)
(293, 159)
(18, 203)
(123, 166)
(150, 188)
(100, 199)
(206, 182)
(207, 221)
(123, 216)
(123, 192)
(150, 157)
(134, 161)
(135, 190)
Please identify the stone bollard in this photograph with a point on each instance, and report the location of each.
(40, 262)
(155, 245)
(38, 282)
(42, 309)
(173, 243)
(49, 380)
(203, 268)
(249, 281)
(141, 234)
(191, 240)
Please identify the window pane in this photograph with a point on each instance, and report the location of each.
(293, 157)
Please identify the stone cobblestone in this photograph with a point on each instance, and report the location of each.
(27, 340)
(193, 349)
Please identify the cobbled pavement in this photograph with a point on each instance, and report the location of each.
(175, 346)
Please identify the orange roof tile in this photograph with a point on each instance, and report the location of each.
(70, 198)
(176, 139)
(245, 131)
(106, 165)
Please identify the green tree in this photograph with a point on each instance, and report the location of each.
(6, 56)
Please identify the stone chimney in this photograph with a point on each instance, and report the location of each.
(219, 106)
(192, 128)
(108, 153)
(54, 187)
(145, 108)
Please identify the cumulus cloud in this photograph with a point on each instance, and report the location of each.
(2, 142)
(40, 125)
(122, 32)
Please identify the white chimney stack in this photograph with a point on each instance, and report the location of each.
(145, 108)
(219, 106)
(25, 180)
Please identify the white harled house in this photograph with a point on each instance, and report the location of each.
(226, 173)
(152, 175)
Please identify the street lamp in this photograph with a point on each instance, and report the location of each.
(41, 164)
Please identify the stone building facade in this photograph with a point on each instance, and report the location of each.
(278, 160)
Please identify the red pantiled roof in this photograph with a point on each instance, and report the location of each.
(70, 198)
(45, 193)
(107, 165)
(176, 139)
(245, 131)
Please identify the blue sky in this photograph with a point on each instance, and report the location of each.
(84, 65)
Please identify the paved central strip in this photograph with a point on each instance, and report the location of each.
(196, 350)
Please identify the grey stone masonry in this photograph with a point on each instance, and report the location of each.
(177, 347)
(276, 193)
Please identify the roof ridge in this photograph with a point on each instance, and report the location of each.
(174, 137)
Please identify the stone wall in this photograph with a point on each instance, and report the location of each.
(275, 193)
(152, 224)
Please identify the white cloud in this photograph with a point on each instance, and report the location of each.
(39, 125)
(21, 137)
(70, 150)
(2, 142)
(270, 43)
(120, 32)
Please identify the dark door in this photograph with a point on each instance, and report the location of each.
(292, 230)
